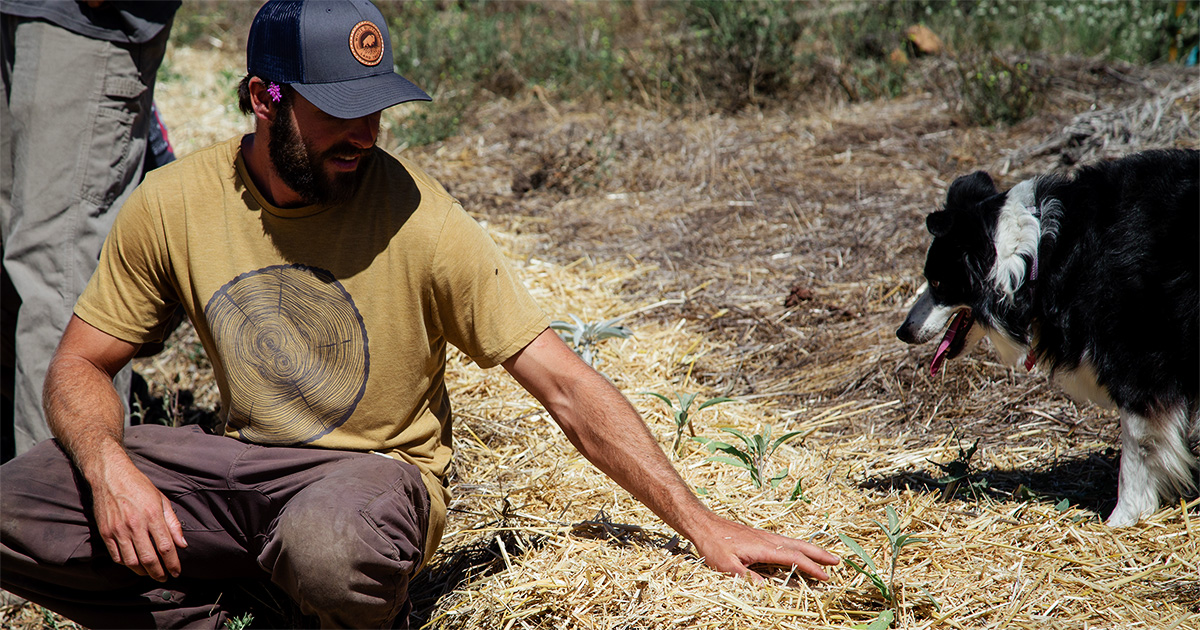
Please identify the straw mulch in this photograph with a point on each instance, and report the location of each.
(768, 256)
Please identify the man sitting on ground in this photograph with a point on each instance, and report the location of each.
(325, 278)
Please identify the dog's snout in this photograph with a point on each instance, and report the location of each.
(904, 334)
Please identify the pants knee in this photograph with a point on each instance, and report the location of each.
(346, 547)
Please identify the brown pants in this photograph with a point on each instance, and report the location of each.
(340, 533)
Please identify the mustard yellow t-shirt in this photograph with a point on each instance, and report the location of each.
(326, 325)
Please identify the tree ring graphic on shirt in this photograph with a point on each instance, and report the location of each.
(294, 349)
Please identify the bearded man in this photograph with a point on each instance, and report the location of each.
(325, 279)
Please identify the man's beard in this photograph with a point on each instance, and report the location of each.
(301, 171)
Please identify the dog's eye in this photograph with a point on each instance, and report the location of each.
(935, 285)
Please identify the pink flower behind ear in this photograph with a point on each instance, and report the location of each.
(275, 92)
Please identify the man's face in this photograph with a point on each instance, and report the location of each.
(319, 156)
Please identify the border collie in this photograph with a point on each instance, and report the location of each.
(1094, 277)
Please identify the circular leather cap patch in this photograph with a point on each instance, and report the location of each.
(366, 43)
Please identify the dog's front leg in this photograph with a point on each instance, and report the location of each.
(1136, 492)
(1155, 461)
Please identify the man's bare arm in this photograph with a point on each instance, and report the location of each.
(602, 424)
(86, 415)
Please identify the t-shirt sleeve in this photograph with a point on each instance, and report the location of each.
(129, 295)
(483, 308)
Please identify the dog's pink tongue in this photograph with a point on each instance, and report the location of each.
(939, 356)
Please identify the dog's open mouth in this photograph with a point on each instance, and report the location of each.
(953, 341)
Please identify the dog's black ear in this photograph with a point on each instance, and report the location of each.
(939, 223)
(968, 190)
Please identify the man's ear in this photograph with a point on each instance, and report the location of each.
(261, 103)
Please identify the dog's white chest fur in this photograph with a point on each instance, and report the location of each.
(1078, 383)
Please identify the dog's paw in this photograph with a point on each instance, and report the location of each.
(1126, 515)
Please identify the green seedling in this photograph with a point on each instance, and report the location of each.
(585, 337)
(797, 493)
(897, 541)
(239, 623)
(958, 470)
(680, 414)
(756, 456)
(867, 568)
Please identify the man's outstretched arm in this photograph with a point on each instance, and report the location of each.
(86, 415)
(602, 424)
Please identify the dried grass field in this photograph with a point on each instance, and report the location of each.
(765, 256)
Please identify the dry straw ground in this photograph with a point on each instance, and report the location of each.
(768, 256)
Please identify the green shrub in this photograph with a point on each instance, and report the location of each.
(1130, 30)
(744, 51)
(996, 90)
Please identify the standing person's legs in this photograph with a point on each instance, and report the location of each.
(340, 533)
(9, 300)
(76, 120)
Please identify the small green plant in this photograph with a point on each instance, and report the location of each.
(755, 458)
(797, 493)
(240, 622)
(897, 541)
(867, 568)
(959, 470)
(585, 337)
(680, 414)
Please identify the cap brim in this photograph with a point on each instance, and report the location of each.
(363, 96)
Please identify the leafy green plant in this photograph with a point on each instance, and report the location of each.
(680, 414)
(961, 470)
(867, 568)
(585, 337)
(756, 456)
(897, 541)
(707, 53)
(868, 79)
(240, 622)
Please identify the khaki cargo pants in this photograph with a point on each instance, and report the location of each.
(74, 120)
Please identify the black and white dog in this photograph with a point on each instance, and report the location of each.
(1096, 278)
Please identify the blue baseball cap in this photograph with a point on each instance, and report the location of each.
(335, 53)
